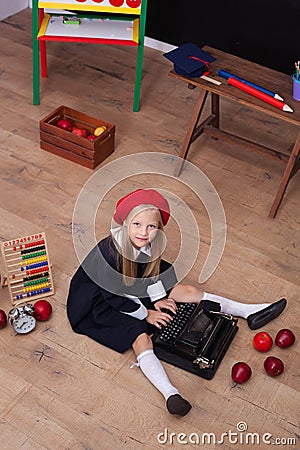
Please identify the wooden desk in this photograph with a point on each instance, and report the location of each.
(262, 76)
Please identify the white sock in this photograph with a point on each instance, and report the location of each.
(235, 308)
(154, 371)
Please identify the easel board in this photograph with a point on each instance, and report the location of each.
(110, 30)
(27, 268)
(107, 6)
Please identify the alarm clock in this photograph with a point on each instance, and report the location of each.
(21, 318)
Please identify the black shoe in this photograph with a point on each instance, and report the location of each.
(264, 316)
(177, 405)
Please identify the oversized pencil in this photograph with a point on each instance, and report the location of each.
(225, 74)
(256, 93)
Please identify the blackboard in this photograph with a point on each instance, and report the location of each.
(262, 31)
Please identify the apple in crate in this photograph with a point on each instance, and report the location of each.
(99, 130)
(80, 132)
(65, 124)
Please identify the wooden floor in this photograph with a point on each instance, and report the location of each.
(59, 390)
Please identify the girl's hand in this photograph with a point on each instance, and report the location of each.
(158, 318)
(168, 304)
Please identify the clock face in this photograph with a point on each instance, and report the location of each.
(24, 324)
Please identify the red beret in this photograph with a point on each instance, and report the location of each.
(141, 197)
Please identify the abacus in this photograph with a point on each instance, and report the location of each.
(28, 270)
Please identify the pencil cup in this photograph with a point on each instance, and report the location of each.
(296, 89)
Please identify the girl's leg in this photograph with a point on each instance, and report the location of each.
(154, 371)
(188, 293)
(235, 308)
(257, 314)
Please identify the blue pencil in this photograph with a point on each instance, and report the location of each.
(224, 74)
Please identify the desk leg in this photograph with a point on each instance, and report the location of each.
(190, 132)
(215, 109)
(288, 173)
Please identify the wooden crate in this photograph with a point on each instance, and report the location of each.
(73, 147)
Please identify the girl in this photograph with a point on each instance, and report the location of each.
(124, 290)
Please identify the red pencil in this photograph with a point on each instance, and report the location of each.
(256, 93)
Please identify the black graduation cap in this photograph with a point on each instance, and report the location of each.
(190, 60)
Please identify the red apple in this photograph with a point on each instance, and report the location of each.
(241, 372)
(80, 132)
(273, 366)
(3, 319)
(262, 341)
(65, 124)
(85, 132)
(285, 338)
(42, 310)
(91, 137)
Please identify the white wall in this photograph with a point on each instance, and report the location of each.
(8, 8)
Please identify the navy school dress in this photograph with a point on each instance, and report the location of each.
(98, 303)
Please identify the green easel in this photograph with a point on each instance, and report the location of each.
(39, 36)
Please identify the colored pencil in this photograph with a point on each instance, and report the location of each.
(297, 73)
(261, 95)
(225, 74)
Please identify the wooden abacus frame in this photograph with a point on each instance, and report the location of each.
(27, 256)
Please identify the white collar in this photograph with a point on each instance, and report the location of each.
(117, 235)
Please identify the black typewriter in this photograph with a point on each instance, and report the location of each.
(196, 339)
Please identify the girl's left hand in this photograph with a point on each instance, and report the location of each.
(166, 304)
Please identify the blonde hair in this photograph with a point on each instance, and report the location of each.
(126, 261)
